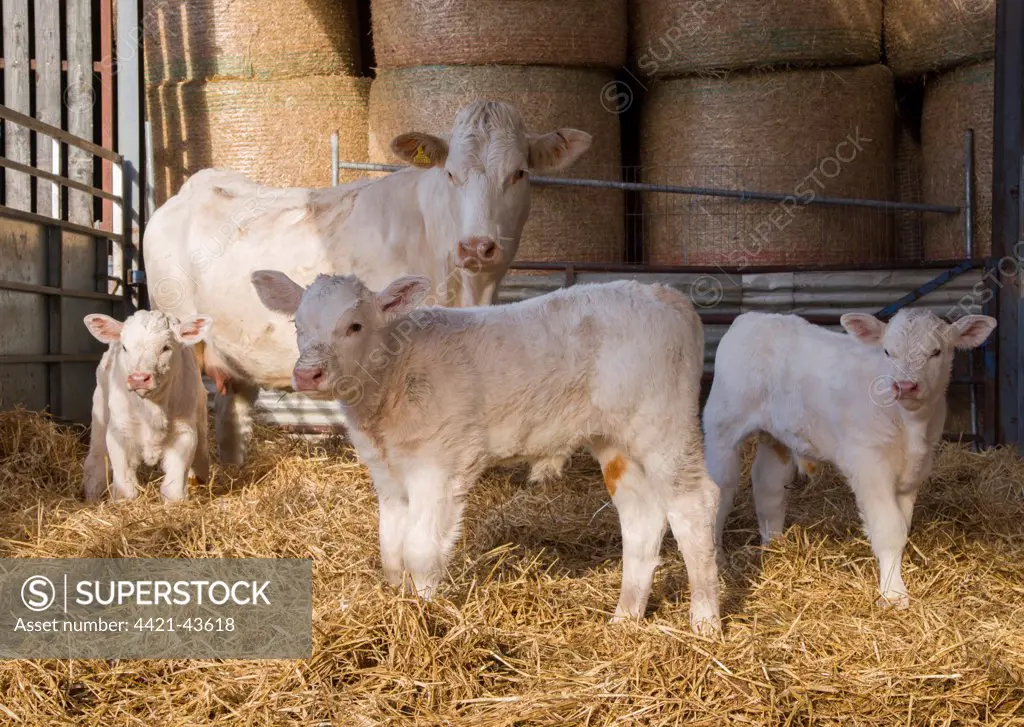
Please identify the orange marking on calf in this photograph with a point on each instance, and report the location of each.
(613, 472)
(780, 449)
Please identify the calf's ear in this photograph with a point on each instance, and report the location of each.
(193, 330)
(865, 328)
(277, 291)
(402, 295)
(557, 150)
(420, 150)
(971, 331)
(103, 328)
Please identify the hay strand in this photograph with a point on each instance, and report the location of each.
(691, 36)
(200, 40)
(954, 102)
(479, 32)
(277, 132)
(564, 223)
(786, 132)
(930, 35)
(520, 635)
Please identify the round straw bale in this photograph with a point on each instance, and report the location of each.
(907, 188)
(565, 223)
(277, 132)
(929, 35)
(477, 32)
(805, 134)
(954, 102)
(687, 36)
(188, 40)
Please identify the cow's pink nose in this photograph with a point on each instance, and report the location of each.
(484, 249)
(138, 381)
(905, 389)
(308, 378)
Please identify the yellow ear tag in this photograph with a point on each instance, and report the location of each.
(420, 158)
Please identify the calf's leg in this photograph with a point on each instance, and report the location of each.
(692, 515)
(177, 458)
(643, 520)
(433, 522)
(200, 470)
(233, 412)
(123, 463)
(886, 527)
(773, 469)
(723, 463)
(95, 469)
(394, 509)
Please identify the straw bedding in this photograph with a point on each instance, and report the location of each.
(476, 32)
(266, 39)
(769, 132)
(687, 36)
(929, 35)
(277, 132)
(954, 102)
(564, 223)
(520, 636)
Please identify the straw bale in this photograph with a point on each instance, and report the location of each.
(478, 32)
(197, 40)
(907, 187)
(784, 132)
(277, 132)
(564, 223)
(520, 633)
(930, 35)
(954, 102)
(687, 36)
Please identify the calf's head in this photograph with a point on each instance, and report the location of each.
(148, 345)
(484, 165)
(343, 329)
(917, 350)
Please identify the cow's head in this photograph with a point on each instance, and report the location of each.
(343, 329)
(917, 347)
(148, 346)
(485, 164)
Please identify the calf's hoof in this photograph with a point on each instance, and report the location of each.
(705, 621)
(894, 600)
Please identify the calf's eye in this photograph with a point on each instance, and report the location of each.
(354, 328)
(936, 352)
(519, 174)
(886, 352)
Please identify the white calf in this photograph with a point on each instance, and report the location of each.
(434, 396)
(149, 405)
(873, 403)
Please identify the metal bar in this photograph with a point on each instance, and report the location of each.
(22, 120)
(51, 358)
(740, 270)
(54, 279)
(741, 195)
(990, 357)
(147, 147)
(60, 292)
(1007, 214)
(925, 288)
(66, 226)
(969, 250)
(106, 71)
(63, 181)
(127, 245)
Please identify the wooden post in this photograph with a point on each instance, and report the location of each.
(18, 139)
(80, 98)
(47, 104)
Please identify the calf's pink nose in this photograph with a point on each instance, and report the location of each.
(308, 378)
(140, 381)
(481, 248)
(905, 388)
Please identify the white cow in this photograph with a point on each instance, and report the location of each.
(873, 403)
(434, 396)
(455, 217)
(149, 405)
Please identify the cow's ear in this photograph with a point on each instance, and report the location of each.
(277, 291)
(103, 328)
(972, 331)
(193, 330)
(403, 295)
(420, 150)
(865, 328)
(557, 150)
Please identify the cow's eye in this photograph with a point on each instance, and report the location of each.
(124, 348)
(451, 177)
(167, 348)
(886, 352)
(354, 328)
(519, 174)
(936, 352)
